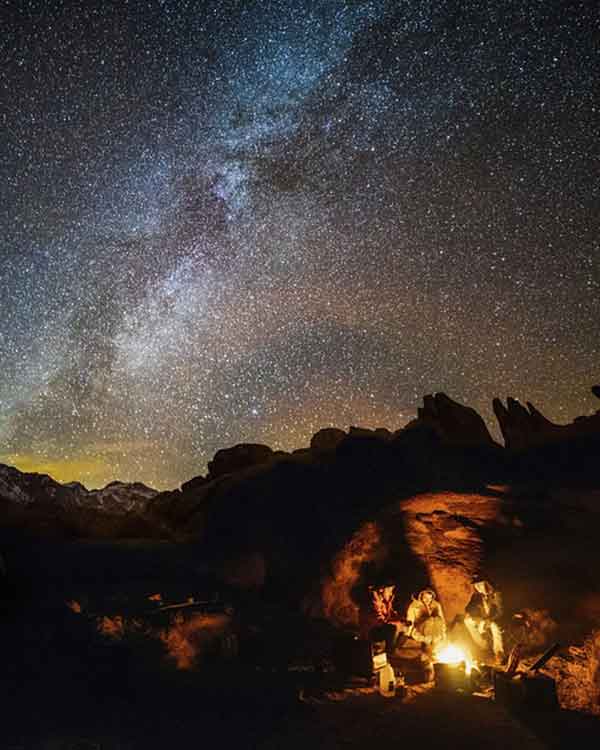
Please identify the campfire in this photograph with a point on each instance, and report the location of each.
(452, 667)
(454, 656)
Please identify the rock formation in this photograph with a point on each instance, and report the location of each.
(380, 432)
(454, 423)
(194, 484)
(432, 539)
(326, 440)
(444, 532)
(237, 458)
(338, 604)
(526, 427)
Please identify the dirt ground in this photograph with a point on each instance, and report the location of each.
(434, 720)
(352, 721)
(429, 719)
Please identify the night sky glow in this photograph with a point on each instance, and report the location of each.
(242, 221)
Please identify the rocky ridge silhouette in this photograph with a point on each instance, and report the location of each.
(447, 445)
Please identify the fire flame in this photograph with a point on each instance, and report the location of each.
(453, 654)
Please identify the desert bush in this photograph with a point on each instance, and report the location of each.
(112, 627)
(187, 640)
(592, 649)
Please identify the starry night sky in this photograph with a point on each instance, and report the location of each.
(243, 221)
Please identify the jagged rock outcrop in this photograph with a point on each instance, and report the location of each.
(237, 458)
(455, 423)
(326, 440)
(525, 427)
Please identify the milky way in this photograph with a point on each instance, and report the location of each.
(242, 221)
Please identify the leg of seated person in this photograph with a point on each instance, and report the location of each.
(497, 642)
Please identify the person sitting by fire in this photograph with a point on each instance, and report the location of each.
(426, 620)
(385, 624)
(481, 617)
(427, 626)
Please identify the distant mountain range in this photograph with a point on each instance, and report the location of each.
(27, 490)
(36, 503)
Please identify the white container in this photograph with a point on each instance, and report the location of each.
(387, 681)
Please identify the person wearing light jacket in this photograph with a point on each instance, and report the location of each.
(427, 626)
(425, 616)
(482, 614)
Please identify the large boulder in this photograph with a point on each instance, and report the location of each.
(431, 539)
(194, 484)
(326, 440)
(536, 543)
(444, 530)
(338, 604)
(455, 423)
(237, 458)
